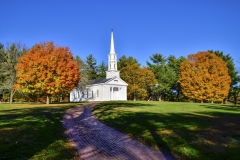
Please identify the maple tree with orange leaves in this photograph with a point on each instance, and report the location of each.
(204, 76)
(48, 70)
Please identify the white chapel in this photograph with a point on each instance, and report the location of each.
(110, 88)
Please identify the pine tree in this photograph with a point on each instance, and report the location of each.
(83, 74)
(9, 59)
(91, 67)
(126, 61)
(101, 70)
(164, 74)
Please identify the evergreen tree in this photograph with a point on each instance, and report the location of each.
(91, 67)
(175, 63)
(9, 60)
(84, 80)
(126, 61)
(164, 74)
(101, 70)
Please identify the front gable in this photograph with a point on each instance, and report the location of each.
(116, 81)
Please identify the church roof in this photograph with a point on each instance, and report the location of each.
(107, 80)
(102, 80)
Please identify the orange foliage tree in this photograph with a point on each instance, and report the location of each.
(139, 80)
(204, 76)
(48, 70)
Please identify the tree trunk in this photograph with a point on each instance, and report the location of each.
(235, 100)
(160, 98)
(134, 96)
(68, 97)
(12, 92)
(47, 101)
(10, 98)
(60, 98)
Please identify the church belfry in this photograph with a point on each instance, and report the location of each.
(112, 61)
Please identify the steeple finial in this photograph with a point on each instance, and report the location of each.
(112, 50)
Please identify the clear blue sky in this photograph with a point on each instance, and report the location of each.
(141, 27)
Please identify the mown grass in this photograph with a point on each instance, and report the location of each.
(185, 130)
(34, 131)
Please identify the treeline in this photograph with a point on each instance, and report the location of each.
(205, 77)
(48, 71)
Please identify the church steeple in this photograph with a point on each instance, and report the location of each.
(112, 61)
(112, 50)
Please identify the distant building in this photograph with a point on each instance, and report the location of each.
(110, 88)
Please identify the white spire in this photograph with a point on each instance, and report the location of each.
(112, 61)
(112, 50)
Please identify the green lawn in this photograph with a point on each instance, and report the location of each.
(186, 130)
(34, 131)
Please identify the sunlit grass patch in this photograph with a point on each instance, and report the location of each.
(185, 130)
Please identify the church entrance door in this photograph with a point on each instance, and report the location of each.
(115, 93)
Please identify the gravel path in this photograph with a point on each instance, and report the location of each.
(95, 140)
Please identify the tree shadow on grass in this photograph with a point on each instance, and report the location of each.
(108, 106)
(33, 133)
(223, 107)
(196, 135)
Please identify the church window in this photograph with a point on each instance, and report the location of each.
(97, 93)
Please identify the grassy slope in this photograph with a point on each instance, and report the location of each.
(34, 132)
(186, 130)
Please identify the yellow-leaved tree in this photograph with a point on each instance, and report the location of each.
(139, 80)
(48, 70)
(204, 76)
